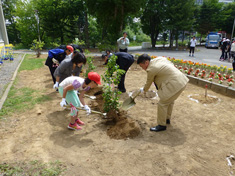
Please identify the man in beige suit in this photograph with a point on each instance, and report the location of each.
(170, 83)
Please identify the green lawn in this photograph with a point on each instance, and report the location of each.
(20, 99)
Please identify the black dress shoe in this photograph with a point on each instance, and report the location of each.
(158, 128)
(123, 91)
(168, 121)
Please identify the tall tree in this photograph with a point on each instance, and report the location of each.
(210, 14)
(26, 22)
(154, 19)
(111, 15)
(228, 17)
(179, 17)
(61, 19)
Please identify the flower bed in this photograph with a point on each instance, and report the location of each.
(221, 75)
(6, 53)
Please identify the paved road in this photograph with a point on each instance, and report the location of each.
(202, 55)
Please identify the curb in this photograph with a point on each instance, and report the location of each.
(218, 88)
(4, 97)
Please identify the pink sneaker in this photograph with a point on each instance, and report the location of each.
(75, 126)
(79, 122)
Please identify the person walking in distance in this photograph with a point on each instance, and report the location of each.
(233, 54)
(223, 49)
(193, 43)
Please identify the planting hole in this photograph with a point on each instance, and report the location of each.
(209, 99)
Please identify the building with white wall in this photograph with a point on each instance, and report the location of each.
(200, 2)
(226, 1)
(3, 31)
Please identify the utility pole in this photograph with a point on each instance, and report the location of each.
(233, 28)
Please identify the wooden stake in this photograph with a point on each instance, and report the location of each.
(206, 91)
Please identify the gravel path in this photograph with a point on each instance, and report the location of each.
(7, 70)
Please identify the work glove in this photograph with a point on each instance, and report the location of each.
(141, 90)
(88, 110)
(56, 85)
(55, 61)
(63, 102)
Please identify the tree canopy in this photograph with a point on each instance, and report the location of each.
(103, 21)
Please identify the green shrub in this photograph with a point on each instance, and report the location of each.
(90, 64)
(37, 46)
(111, 78)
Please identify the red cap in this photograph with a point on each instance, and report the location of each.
(94, 77)
(70, 48)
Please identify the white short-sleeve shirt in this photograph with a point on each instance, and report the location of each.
(193, 43)
(75, 81)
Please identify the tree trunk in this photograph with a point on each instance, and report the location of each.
(122, 16)
(86, 31)
(201, 40)
(171, 38)
(176, 39)
(154, 39)
(183, 37)
(62, 39)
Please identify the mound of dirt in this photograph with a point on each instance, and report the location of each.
(120, 126)
(124, 128)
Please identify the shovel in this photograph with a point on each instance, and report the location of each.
(88, 96)
(92, 111)
(129, 102)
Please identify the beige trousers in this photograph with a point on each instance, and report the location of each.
(165, 108)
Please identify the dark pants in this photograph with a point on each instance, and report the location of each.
(191, 50)
(124, 65)
(233, 56)
(222, 55)
(123, 50)
(52, 70)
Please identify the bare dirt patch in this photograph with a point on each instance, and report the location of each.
(205, 99)
(196, 143)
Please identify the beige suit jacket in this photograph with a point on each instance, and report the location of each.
(166, 76)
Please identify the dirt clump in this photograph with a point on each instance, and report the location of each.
(124, 127)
